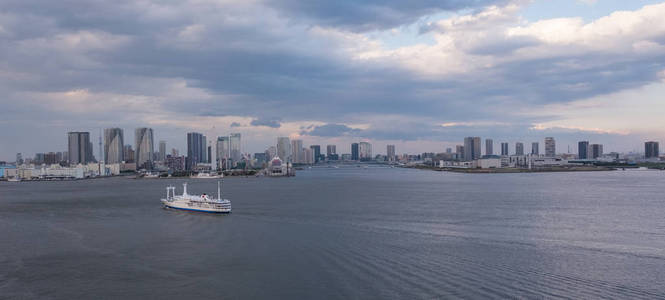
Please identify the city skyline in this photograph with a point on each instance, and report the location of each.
(421, 77)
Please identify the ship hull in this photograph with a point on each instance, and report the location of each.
(199, 207)
(199, 210)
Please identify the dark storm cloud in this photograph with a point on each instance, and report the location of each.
(331, 130)
(272, 123)
(372, 14)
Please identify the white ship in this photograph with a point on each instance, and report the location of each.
(204, 175)
(202, 203)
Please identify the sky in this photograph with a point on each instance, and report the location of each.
(418, 74)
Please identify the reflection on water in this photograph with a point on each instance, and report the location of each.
(340, 233)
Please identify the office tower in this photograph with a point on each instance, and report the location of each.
(144, 148)
(355, 154)
(519, 148)
(504, 149)
(471, 148)
(489, 147)
(162, 150)
(235, 147)
(331, 149)
(79, 147)
(271, 152)
(449, 150)
(365, 151)
(204, 155)
(284, 149)
(113, 145)
(51, 158)
(196, 150)
(583, 150)
(209, 154)
(390, 152)
(223, 153)
(308, 156)
(128, 154)
(316, 151)
(595, 151)
(459, 151)
(19, 159)
(534, 148)
(296, 151)
(550, 147)
(175, 152)
(650, 150)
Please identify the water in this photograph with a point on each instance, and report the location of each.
(340, 233)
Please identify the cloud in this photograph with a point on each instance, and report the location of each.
(330, 130)
(275, 64)
(272, 123)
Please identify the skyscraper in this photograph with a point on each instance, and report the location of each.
(145, 147)
(504, 149)
(459, 151)
(80, 147)
(284, 149)
(113, 146)
(223, 153)
(19, 159)
(471, 148)
(534, 148)
(489, 147)
(390, 152)
(651, 150)
(583, 150)
(316, 152)
(331, 152)
(355, 154)
(128, 154)
(595, 151)
(297, 151)
(550, 147)
(519, 148)
(365, 151)
(162, 150)
(235, 147)
(196, 150)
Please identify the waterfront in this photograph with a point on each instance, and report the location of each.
(340, 233)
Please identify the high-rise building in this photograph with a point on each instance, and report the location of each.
(355, 154)
(80, 147)
(365, 151)
(583, 150)
(113, 145)
(223, 153)
(651, 150)
(316, 151)
(19, 159)
(331, 150)
(459, 152)
(284, 149)
(471, 148)
(390, 152)
(297, 151)
(550, 147)
(145, 147)
(504, 149)
(449, 150)
(535, 148)
(308, 154)
(519, 148)
(51, 158)
(489, 147)
(162, 150)
(595, 151)
(128, 154)
(196, 150)
(235, 147)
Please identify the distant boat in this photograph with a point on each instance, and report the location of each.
(151, 175)
(205, 175)
(201, 203)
